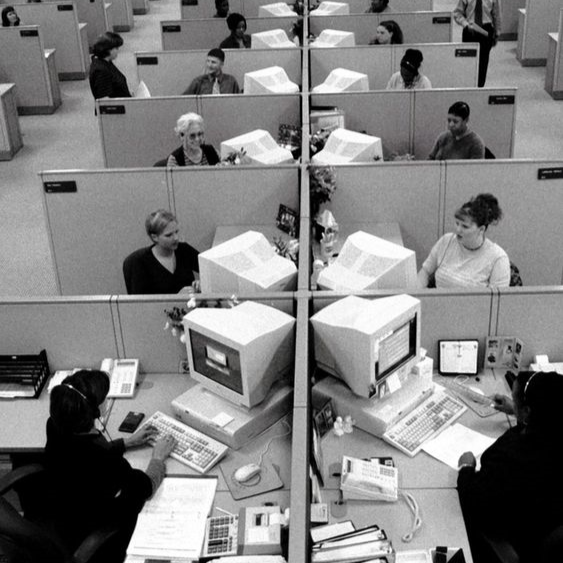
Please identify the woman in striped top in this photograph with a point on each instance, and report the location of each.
(193, 152)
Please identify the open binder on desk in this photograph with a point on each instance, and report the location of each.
(23, 376)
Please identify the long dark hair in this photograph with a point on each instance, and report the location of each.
(5, 21)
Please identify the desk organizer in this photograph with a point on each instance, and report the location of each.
(23, 376)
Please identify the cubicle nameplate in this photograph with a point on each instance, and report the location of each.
(171, 29)
(466, 52)
(502, 100)
(65, 7)
(147, 60)
(29, 33)
(189, 2)
(550, 173)
(60, 187)
(442, 19)
(112, 110)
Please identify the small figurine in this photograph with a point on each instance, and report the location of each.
(348, 424)
(338, 426)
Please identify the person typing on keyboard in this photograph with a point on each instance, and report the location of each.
(90, 481)
(517, 494)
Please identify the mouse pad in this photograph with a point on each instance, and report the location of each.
(268, 479)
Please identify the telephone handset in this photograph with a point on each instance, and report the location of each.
(369, 479)
(123, 376)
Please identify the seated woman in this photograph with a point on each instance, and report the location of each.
(388, 32)
(409, 77)
(458, 142)
(91, 482)
(238, 39)
(167, 266)
(517, 494)
(193, 152)
(106, 80)
(467, 258)
(9, 17)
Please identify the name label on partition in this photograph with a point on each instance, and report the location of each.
(550, 173)
(147, 60)
(112, 110)
(171, 29)
(60, 187)
(65, 7)
(189, 2)
(466, 52)
(29, 33)
(502, 100)
(442, 19)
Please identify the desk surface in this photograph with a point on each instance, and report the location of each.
(421, 471)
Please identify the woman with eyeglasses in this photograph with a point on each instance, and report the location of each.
(90, 481)
(193, 152)
(517, 494)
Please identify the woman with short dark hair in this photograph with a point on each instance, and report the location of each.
(517, 494)
(409, 76)
(91, 482)
(238, 39)
(106, 80)
(9, 17)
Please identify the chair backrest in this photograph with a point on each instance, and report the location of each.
(515, 277)
(127, 271)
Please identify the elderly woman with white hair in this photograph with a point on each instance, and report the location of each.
(193, 152)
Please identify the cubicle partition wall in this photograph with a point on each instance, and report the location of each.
(62, 31)
(124, 122)
(179, 35)
(554, 65)
(10, 134)
(98, 14)
(536, 20)
(447, 65)
(410, 121)
(509, 10)
(418, 27)
(31, 67)
(169, 73)
(93, 228)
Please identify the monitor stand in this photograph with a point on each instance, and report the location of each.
(232, 424)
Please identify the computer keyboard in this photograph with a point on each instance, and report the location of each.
(194, 449)
(221, 536)
(426, 421)
(477, 402)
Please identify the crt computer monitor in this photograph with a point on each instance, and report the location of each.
(369, 262)
(343, 80)
(239, 353)
(272, 39)
(259, 148)
(271, 80)
(372, 345)
(332, 9)
(277, 9)
(344, 146)
(334, 38)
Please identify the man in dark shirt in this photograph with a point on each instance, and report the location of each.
(214, 81)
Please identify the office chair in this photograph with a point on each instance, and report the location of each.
(128, 264)
(31, 539)
(515, 277)
(161, 162)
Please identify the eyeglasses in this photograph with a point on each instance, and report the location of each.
(194, 135)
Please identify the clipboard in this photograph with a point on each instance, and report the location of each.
(458, 357)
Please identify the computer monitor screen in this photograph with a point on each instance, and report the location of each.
(272, 39)
(343, 80)
(369, 262)
(239, 353)
(245, 264)
(276, 9)
(334, 38)
(259, 148)
(344, 146)
(372, 345)
(271, 80)
(331, 9)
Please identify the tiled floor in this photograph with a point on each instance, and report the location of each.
(70, 139)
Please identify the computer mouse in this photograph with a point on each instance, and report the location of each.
(246, 472)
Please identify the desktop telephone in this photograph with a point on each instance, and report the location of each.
(369, 479)
(123, 376)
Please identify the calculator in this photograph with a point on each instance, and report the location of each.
(221, 536)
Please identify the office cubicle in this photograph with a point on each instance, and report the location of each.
(169, 73)
(98, 14)
(418, 27)
(447, 65)
(180, 35)
(410, 121)
(554, 65)
(61, 30)
(31, 68)
(124, 122)
(10, 134)
(88, 247)
(509, 10)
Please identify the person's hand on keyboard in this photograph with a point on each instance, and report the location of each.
(503, 403)
(141, 437)
(163, 447)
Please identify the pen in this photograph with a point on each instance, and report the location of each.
(224, 511)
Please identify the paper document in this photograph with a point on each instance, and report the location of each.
(448, 446)
(479, 29)
(172, 523)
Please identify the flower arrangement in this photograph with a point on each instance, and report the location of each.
(322, 185)
(394, 157)
(287, 248)
(236, 157)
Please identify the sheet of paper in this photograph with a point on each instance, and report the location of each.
(455, 440)
(172, 523)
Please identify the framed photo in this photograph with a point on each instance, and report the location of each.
(286, 220)
(458, 357)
